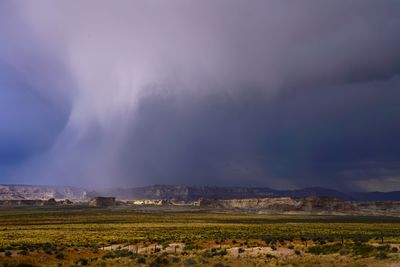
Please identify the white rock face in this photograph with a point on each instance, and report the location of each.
(20, 192)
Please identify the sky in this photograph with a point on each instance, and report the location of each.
(281, 94)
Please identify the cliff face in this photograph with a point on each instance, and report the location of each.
(380, 207)
(184, 193)
(326, 204)
(192, 193)
(311, 204)
(21, 192)
(283, 204)
(148, 192)
(34, 202)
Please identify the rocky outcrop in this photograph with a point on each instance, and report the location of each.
(33, 202)
(183, 193)
(66, 202)
(276, 204)
(326, 204)
(20, 192)
(312, 204)
(155, 192)
(102, 201)
(379, 207)
(151, 202)
(193, 193)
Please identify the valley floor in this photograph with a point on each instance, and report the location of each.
(124, 236)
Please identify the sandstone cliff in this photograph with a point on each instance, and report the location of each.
(313, 204)
(20, 192)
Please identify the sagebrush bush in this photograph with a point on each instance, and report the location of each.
(60, 256)
(325, 249)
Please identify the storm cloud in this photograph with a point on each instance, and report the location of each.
(272, 93)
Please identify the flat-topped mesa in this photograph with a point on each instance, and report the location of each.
(40, 192)
(33, 202)
(284, 204)
(279, 203)
(103, 201)
(328, 204)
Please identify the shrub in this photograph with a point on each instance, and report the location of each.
(189, 262)
(118, 254)
(165, 245)
(207, 254)
(108, 255)
(192, 247)
(141, 260)
(325, 249)
(82, 262)
(23, 252)
(223, 252)
(24, 265)
(203, 261)
(385, 248)
(362, 249)
(159, 261)
(175, 259)
(360, 238)
(381, 255)
(60, 256)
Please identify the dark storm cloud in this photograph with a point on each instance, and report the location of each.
(31, 118)
(208, 92)
(327, 136)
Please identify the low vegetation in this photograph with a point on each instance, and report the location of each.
(87, 236)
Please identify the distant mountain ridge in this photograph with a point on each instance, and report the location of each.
(182, 192)
(376, 196)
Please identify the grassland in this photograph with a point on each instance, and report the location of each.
(79, 235)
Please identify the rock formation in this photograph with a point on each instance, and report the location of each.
(276, 204)
(311, 204)
(19, 192)
(31, 202)
(102, 201)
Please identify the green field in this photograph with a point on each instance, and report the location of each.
(78, 227)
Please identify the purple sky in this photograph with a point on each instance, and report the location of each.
(284, 94)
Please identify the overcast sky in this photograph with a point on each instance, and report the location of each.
(283, 94)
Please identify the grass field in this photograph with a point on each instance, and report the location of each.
(30, 234)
